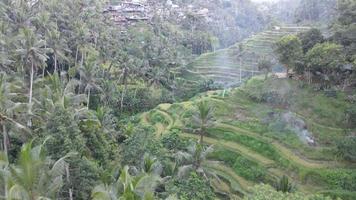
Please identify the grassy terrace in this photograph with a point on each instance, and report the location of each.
(252, 151)
(223, 66)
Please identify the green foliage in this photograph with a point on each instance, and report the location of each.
(98, 145)
(289, 50)
(351, 116)
(347, 148)
(253, 143)
(33, 176)
(241, 165)
(84, 175)
(310, 38)
(325, 57)
(139, 143)
(192, 188)
(265, 65)
(284, 185)
(172, 141)
(65, 133)
(266, 192)
(127, 187)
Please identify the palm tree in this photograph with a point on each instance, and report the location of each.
(203, 118)
(8, 108)
(34, 176)
(57, 43)
(57, 92)
(34, 53)
(88, 75)
(128, 187)
(195, 159)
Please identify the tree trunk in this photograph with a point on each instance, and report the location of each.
(29, 123)
(125, 89)
(55, 63)
(5, 142)
(201, 136)
(6, 154)
(68, 180)
(76, 56)
(88, 100)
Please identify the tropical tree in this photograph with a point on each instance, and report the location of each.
(325, 58)
(203, 118)
(128, 187)
(34, 176)
(195, 159)
(289, 50)
(33, 52)
(58, 44)
(9, 108)
(88, 75)
(265, 65)
(310, 38)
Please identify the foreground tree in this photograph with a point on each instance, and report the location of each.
(128, 187)
(34, 176)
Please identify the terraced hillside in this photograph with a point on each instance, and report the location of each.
(253, 144)
(231, 66)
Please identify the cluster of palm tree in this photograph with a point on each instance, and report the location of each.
(64, 57)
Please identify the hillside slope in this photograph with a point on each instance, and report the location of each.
(230, 67)
(255, 143)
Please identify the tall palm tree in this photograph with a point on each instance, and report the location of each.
(34, 176)
(203, 118)
(9, 108)
(88, 75)
(58, 44)
(34, 53)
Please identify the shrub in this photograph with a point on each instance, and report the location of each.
(192, 188)
(347, 148)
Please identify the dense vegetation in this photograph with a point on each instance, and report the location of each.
(94, 110)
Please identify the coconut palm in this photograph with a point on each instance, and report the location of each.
(34, 176)
(57, 92)
(34, 54)
(57, 43)
(203, 118)
(9, 108)
(195, 159)
(128, 187)
(88, 75)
